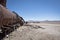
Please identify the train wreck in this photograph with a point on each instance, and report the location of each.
(8, 20)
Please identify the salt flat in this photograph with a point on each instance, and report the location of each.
(36, 31)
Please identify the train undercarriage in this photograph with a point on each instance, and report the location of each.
(6, 30)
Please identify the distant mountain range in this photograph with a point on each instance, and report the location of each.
(46, 21)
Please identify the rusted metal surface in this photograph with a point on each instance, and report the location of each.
(9, 21)
(3, 2)
(8, 18)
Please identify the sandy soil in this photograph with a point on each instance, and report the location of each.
(36, 31)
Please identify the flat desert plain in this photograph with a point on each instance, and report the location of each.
(36, 31)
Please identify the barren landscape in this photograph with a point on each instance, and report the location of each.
(29, 19)
(36, 31)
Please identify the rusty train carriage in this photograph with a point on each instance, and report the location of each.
(8, 19)
(6, 16)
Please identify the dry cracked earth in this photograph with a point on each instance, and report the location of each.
(36, 31)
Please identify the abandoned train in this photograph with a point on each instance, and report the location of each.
(9, 19)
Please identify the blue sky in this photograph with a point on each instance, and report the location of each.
(36, 9)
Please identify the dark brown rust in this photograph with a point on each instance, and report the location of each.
(9, 18)
(3, 2)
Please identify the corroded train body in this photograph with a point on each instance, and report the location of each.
(8, 18)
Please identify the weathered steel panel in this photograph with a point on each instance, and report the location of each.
(3, 2)
(6, 17)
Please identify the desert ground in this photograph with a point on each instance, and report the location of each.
(36, 31)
